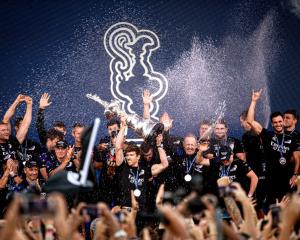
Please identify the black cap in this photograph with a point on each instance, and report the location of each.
(225, 153)
(30, 164)
(61, 144)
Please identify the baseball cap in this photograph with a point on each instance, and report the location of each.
(29, 164)
(61, 144)
(225, 153)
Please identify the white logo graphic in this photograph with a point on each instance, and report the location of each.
(130, 48)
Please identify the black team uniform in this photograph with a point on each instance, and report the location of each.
(278, 150)
(256, 160)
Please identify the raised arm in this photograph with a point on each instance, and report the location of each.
(249, 214)
(147, 99)
(158, 168)
(40, 121)
(120, 141)
(167, 121)
(25, 124)
(11, 110)
(257, 128)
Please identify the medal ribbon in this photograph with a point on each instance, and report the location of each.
(224, 171)
(136, 178)
(188, 166)
(280, 147)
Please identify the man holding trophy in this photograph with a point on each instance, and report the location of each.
(131, 174)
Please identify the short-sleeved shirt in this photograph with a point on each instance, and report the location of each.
(108, 180)
(128, 177)
(9, 150)
(278, 150)
(46, 158)
(69, 167)
(235, 145)
(29, 150)
(237, 172)
(180, 166)
(296, 135)
(254, 153)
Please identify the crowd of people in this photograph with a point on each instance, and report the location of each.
(210, 186)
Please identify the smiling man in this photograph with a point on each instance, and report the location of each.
(132, 175)
(280, 148)
(31, 171)
(221, 138)
(290, 120)
(185, 166)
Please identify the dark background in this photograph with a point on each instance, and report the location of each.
(57, 47)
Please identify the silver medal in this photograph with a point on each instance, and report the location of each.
(187, 177)
(137, 192)
(282, 161)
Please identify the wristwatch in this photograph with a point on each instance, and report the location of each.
(160, 146)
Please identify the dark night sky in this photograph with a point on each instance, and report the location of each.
(57, 46)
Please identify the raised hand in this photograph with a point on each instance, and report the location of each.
(147, 97)
(123, 119)
(69, 154)
(203, 147)
(256, 95)
(166, 120)
(28, 100)
(159, 139)
(20, 98)
(44, 101)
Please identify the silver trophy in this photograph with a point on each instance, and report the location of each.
(144, 128)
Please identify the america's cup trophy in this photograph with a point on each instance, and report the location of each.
(144, 128)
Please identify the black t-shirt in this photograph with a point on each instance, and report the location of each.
(181, 166)
(9, 150)
(235, 145)
(296, 135)
(108, 181)
(29, 150)
(278, 150)
(53, 165)
(153, 182)
(254, 153)
(128, 178)
(237, 172)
